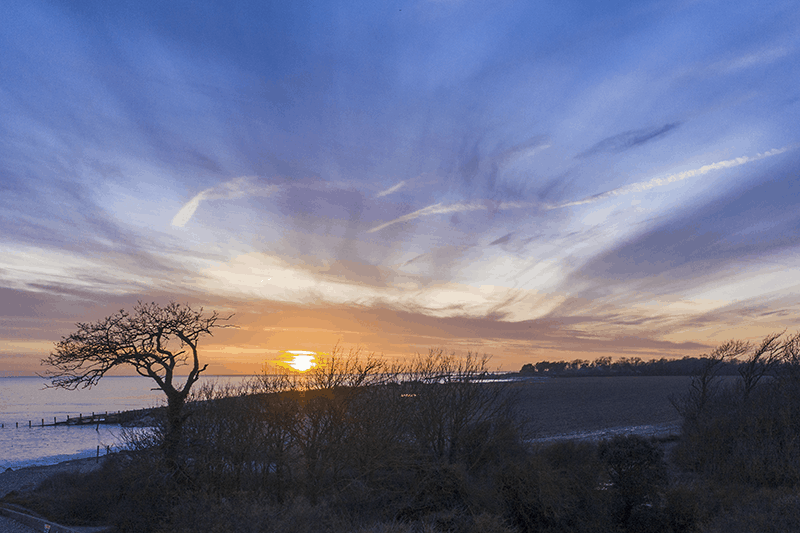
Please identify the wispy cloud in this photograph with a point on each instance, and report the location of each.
(119, 163)
(390, 190)
(268, 277)
(186, 212)
(741, 244)
(523, 151)
(459, 207)
(673, 178)
(236, 188)
(628, 139)
(754, 59)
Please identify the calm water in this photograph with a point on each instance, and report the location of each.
(24, 398)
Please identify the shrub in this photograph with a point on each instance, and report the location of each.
(746, 441)
(637, 473)
(131, 493)
(685, 508)
(763, 510)
(555, 490)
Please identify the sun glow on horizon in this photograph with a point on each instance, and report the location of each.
(301, 360)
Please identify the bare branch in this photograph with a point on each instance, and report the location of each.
(760, 361)
(153, 340)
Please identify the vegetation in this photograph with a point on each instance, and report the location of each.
(625, 366)
(355, 440)
(359, 445)
(153, 340)
(748, 431)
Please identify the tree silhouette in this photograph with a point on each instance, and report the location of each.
(154, 340)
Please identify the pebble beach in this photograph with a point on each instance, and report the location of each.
(27, 478)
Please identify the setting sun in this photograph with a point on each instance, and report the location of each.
(302, 360)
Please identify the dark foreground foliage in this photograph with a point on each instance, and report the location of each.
(562, 487)
(433, 448)
(747, 432)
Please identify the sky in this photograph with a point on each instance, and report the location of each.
(531, 180)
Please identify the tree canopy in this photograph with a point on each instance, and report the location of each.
(155, 340)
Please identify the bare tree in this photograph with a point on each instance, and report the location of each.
(154, 340)
(452, 414)
(790, 358)
(703, 384)
(351, 370)
(760, 361)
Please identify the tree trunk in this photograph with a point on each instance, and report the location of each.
(174, 431)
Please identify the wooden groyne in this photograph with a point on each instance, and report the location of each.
(132, 418)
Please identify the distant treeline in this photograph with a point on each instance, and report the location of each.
(625, 366)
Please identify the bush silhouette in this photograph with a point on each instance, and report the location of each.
(637, 474)
(555, 489)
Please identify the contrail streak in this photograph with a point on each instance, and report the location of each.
(672, 178)
(235, 188)
(390, 190)
(187, 211)
(440, 208)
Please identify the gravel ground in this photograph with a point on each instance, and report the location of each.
(28, 478)
(12, 526)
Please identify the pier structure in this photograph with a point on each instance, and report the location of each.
(115, 418)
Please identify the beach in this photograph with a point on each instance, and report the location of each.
(28, 478)
(8, 525)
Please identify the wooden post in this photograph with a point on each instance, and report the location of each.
(42, 422)
(17, 424)
(29, 424)
(98, 454)
(54, 421)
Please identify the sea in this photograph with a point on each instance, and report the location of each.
(26, 401)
